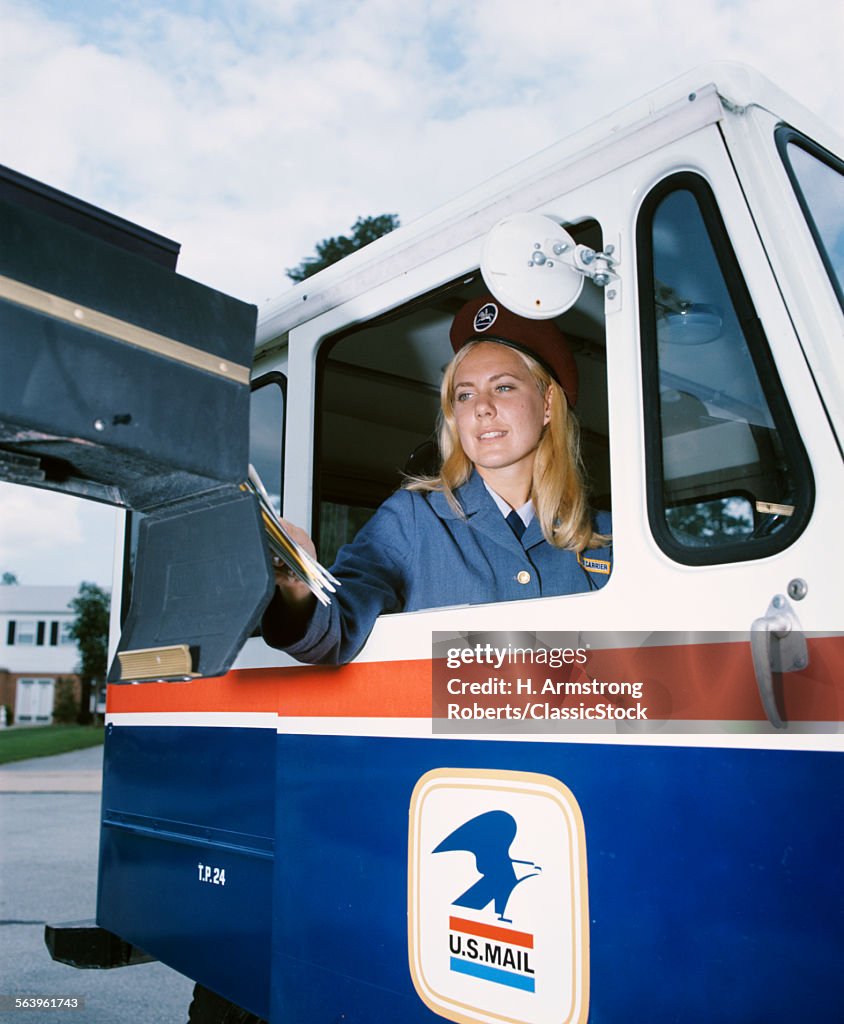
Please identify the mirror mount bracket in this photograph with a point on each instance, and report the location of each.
(534, 267)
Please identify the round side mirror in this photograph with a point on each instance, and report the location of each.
(525, 263)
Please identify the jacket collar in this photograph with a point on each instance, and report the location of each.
(473, 497)
(483, 514)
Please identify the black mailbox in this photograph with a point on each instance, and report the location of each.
(126, 383)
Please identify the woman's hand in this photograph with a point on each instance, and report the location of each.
(295, 594)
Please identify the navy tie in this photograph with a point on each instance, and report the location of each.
(516, 524)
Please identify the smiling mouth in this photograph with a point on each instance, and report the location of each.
(491, 435)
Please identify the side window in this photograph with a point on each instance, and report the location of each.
(266, 432)
(818, 180)
(378, 402)
(728, 477)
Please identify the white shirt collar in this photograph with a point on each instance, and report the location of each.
(525, 513)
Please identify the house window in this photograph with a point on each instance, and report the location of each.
(25, 632)
(65, 637)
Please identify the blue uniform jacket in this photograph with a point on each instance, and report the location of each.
(416, 552)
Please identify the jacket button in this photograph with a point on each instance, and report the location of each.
(524, 576)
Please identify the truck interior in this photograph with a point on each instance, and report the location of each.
(378, 401)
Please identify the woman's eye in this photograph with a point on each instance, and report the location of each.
(463, 396)
(504, 387)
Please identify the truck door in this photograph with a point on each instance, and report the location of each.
(742, 474)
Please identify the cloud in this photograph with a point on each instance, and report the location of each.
(35, 520)
(249, 131)
(50, 538)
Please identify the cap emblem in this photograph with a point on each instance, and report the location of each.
(486, 317)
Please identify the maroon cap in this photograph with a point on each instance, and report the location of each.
(485, 319)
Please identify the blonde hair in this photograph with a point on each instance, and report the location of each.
(558, 489)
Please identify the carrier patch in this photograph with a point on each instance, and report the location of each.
(599, 565)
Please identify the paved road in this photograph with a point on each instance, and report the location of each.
(78, 772)
(49, 823)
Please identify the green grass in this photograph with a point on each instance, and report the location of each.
(19, 744)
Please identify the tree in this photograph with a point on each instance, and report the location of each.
(65, 706)
(90, 631)
(8, 579)
(330, 250)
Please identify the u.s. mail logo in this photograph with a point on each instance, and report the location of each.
(497, 898)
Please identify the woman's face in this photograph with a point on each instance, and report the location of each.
(499, 410)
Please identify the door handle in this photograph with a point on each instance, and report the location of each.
(778, 645)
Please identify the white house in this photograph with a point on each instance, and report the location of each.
(35, 649)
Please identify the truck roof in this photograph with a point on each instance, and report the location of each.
(701, 96)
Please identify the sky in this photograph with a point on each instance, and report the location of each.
(247, 130)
